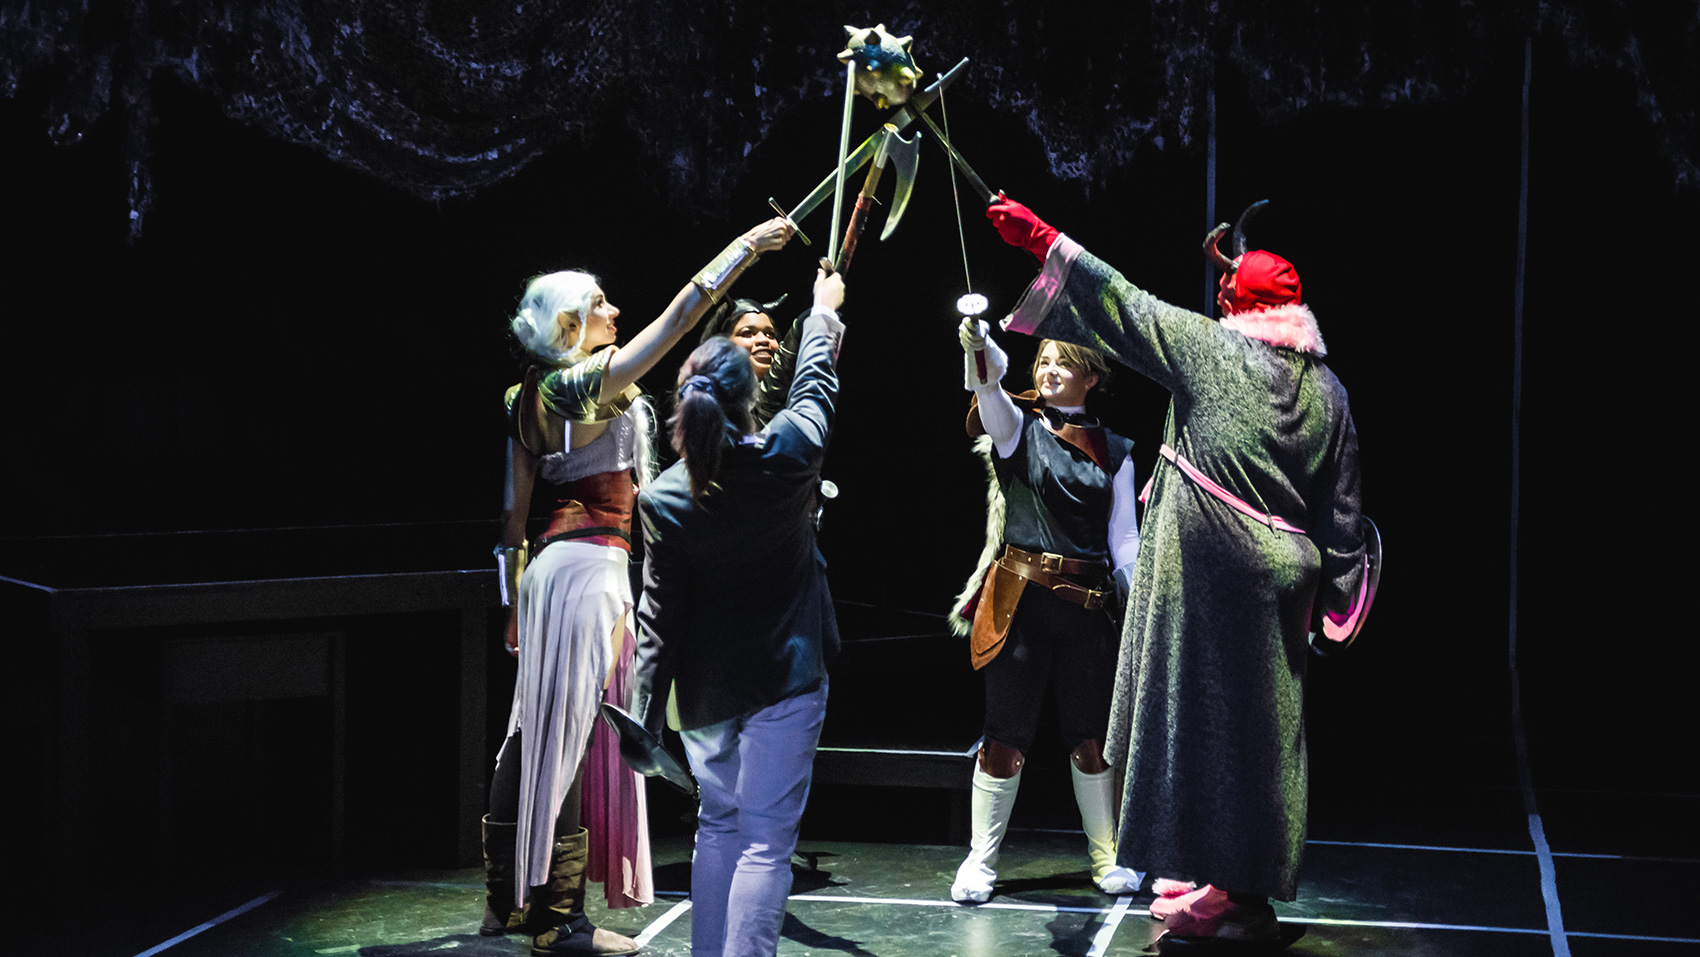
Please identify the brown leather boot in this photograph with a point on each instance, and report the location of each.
(501, 916)
(559, 905)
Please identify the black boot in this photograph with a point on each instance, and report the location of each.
(559, 905)
(501, 916)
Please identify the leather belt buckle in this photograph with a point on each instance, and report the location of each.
(1050, 563)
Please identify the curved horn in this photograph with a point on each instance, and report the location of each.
(768, 307)
(1215, 255)
(1239, 225)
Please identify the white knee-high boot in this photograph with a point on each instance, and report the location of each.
(989, 809)
(1095, 793)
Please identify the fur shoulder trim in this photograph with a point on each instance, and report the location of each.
(1291, 326)
(959, 625)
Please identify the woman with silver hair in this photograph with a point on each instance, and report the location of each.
(569, 429)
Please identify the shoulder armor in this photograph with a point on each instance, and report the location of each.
(572, 393)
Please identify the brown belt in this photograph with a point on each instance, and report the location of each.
(1044, 568)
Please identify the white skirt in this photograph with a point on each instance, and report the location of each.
(570, 600)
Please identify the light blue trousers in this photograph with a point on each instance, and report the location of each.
(754, 772)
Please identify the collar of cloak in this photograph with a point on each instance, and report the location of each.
(1290, 326)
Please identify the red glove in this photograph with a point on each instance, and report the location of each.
(1020, 228)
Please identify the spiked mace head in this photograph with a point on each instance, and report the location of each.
(885, 70)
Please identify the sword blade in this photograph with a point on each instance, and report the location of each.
(859, 157)
(843, 148)
(974, 180)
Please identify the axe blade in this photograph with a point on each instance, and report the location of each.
(859, 157)
(903, 156)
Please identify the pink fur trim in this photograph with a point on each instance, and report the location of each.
(1167, 887)
(1291, 326)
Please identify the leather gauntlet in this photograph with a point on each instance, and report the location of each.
(723, 270)
(510, 565)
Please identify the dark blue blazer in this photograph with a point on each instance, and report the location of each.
(735, 605)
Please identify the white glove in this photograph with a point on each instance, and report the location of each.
(978, 347)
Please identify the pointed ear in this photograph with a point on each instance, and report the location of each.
(1091, 382)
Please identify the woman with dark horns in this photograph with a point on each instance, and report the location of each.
(1039, 609)
(570, 429)
(750, 325)
(748, 665)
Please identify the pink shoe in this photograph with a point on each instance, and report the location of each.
(1192, 913)
(1205, 921)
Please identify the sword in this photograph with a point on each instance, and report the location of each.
(890, 153)
(986, 193)
(839, 174)
(901, 118)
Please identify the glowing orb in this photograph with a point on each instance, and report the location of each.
(972, 304)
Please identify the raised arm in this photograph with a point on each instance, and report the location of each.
(692, 300)
(809, 405)
(1081, 299)
(774, 389)
(998, 414)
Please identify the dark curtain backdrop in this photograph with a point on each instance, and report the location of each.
(262, 257)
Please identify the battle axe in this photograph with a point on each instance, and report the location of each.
(859, 157)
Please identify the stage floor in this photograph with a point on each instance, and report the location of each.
(1388, 872)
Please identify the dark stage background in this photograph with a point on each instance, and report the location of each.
(216, 322)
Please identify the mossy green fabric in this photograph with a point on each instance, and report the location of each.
(1208, 713)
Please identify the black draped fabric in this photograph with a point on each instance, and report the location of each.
(442, 98)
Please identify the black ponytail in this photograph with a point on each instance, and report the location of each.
(716, 387)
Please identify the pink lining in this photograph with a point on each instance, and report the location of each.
(1339, 628)
(1230, 499)
(1036, 302)
(615, 807)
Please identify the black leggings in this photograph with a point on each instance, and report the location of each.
(504, 791)
(1058, 645)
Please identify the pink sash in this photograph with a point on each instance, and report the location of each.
(1230, 499)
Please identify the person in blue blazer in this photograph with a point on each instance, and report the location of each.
(748, 665)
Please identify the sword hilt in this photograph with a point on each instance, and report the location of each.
(788, 220)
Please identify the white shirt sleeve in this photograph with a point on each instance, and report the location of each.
(1001, 419)
(1124, 523)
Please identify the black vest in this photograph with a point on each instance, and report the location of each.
(1056, 499)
